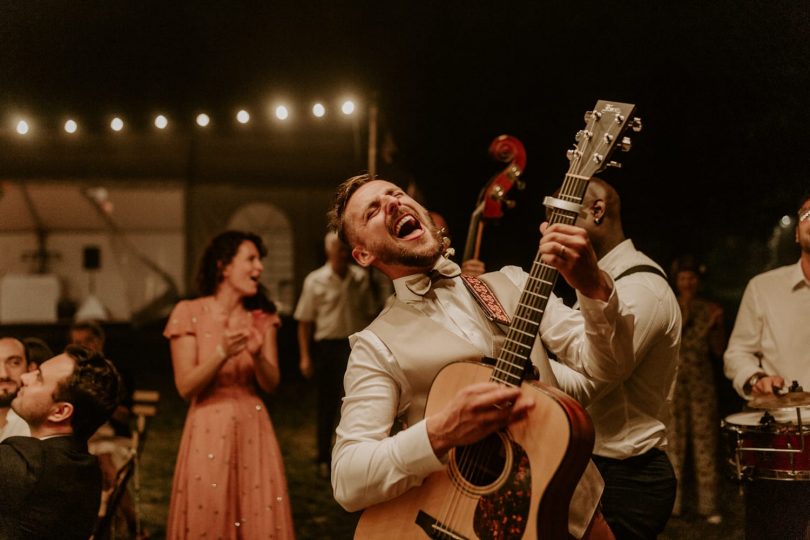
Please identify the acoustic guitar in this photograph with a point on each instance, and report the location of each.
(516, 483)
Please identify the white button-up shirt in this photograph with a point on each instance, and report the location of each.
(773, 321)
(629, 397)
(338, 306)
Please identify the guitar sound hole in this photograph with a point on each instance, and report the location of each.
(482, 463)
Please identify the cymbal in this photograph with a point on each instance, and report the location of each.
(784, 401)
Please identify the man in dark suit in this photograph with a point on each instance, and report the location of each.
(50, 486)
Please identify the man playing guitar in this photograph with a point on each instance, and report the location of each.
(388, 230)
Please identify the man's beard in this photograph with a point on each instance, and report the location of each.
(7, 397)
(425, 257)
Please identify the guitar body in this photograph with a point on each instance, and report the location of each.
(516, 483)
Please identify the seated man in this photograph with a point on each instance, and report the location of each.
(13, 363)
(50, 486)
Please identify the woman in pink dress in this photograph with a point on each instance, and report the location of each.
(229, 478)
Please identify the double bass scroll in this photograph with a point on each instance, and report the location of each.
(492, 198)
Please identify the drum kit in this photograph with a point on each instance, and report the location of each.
(772, 441)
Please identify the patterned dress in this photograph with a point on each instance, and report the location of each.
(695, 424)
(229, 480)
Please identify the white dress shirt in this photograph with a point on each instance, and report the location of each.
(338, 306)
(773, 321)
(369, 466)
(629, 398)
(15, 426)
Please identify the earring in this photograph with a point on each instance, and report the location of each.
(597, 220)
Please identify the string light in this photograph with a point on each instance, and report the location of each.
(282, 112)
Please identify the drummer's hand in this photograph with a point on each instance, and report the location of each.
(767, 386)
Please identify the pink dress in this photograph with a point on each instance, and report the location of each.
(229, 480)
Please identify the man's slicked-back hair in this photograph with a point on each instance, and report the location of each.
(344, 192)
(94, 388)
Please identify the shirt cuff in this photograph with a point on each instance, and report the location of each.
(414, 445)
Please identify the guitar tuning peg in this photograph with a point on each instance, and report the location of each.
(509, 203)
(595, 115)
(520, 184)
(573, 154)
(635, 124)
(626, 144)
(614, 164)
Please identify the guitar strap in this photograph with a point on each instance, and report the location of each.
(487, 301)
(487, 291)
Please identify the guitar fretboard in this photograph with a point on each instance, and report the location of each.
(513, 360)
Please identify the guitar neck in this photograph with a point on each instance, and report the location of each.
(513, 360)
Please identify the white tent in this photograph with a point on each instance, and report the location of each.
(51, 230)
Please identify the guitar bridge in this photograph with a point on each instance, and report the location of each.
(436, 529)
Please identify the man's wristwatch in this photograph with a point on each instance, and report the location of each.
(752, 380)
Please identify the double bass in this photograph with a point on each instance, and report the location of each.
(493, 196)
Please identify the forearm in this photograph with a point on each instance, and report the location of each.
(268, 374)
(304, 332)
(191, 381)
(596, 341)
(742, 357)
(578, 386)
(369, 465)
(739, 364)
(368, 471)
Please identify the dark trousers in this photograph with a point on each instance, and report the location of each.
(331, 356)
(777, 509)
(639, 494)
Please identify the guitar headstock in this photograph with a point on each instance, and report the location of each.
(604, 131)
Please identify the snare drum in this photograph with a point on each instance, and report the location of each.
(774, 450)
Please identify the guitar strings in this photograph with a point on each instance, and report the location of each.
(534, 298)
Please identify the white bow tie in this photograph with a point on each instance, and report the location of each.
(419, 284)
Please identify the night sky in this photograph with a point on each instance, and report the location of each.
(720, 86)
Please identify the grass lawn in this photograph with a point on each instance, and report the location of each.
(315, 512)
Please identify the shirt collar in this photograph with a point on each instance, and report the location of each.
(797, 279)
(618, 259)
